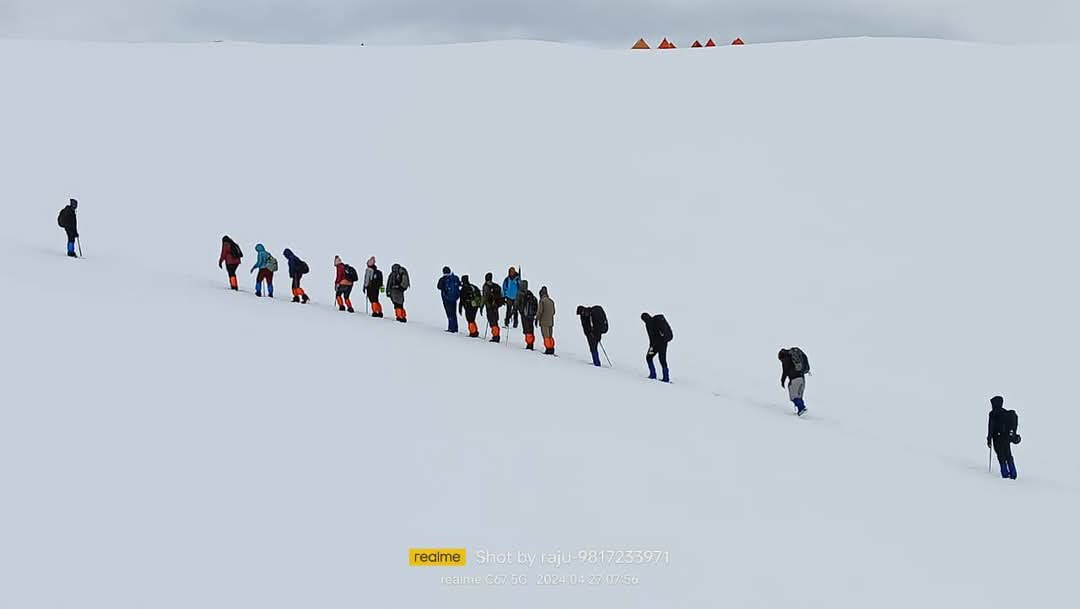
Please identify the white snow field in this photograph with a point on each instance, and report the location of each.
(904, 210)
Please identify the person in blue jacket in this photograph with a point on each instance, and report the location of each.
(297, 269)
(450, 287)
(510, 287)
(266, 265)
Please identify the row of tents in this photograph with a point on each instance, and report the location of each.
(666, 44)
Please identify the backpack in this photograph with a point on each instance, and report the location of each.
(403, 279)
(664, 328)
(302, 268)
(472, 296)
(350, 273)
(799, 361)
(1011, 422)
(234, 249)
(271, 263)
(530, 305)
(599, 320)
(376, 280)
(495, 295)
(60, 218)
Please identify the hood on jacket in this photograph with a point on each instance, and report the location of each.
(288, 254)
(337, 260)
(645, 317)
(445, 270)
(543, 291)
(395, 267)
(524, 285)
(464, 280)
(259, 248)
(997, 402)
(226, 239)
(487, 276)
(371, 261)
(73, 204)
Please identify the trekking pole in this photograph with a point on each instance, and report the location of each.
(989, 460)
(79, 244)
(605, 355)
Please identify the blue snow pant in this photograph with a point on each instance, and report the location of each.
(451, 315)
(71, 241)
(1003, 449)
(594, 345)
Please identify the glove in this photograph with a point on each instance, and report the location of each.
(988, 442)
(219, 264)
(382, 289)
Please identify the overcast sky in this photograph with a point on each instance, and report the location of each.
(601, 22)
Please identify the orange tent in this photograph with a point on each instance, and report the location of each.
(666, 45)
(710, 43)
(696, 45)
(640, 44)
(737, 41)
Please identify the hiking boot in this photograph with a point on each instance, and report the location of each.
(529, 347)
(304, 299)
(296, 299)
(72, 255)
(549, 352)
(494, 339)
(350, 310)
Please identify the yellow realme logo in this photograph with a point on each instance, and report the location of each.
(436, 557)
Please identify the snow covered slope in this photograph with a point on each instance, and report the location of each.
(904, 210)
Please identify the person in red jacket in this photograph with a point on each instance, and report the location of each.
(343, 283)
(230, 256)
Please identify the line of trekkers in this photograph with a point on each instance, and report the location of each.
(461, 296)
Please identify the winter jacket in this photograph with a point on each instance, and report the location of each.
(67, 220)
(264, 257)
(450, 286)
(511, 285)
(523, 296)
(294, 263)
(586, 322)
(788, 366)
(487, 297)
(227, 254)
(658, 330)
(339, 277)
(396, 283)
(1002, 423)
(470, 295)
(369, 277)
(545, 311)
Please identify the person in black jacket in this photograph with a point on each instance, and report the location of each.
(70, 224)
(469, 304)
(659, 336)
(794, 367)
(1001, 434)
(594, 330)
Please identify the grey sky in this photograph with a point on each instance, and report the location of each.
(602, 22)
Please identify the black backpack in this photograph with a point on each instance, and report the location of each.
(350, 273)
(664, 328)
(302, 268)
(531, 305)
(1011, 422)
(235, 249)
(495, 293)
(376, 280)
(799, 361)
(599, 320)
(470, 295)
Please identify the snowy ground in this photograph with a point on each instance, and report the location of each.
(904, 210)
